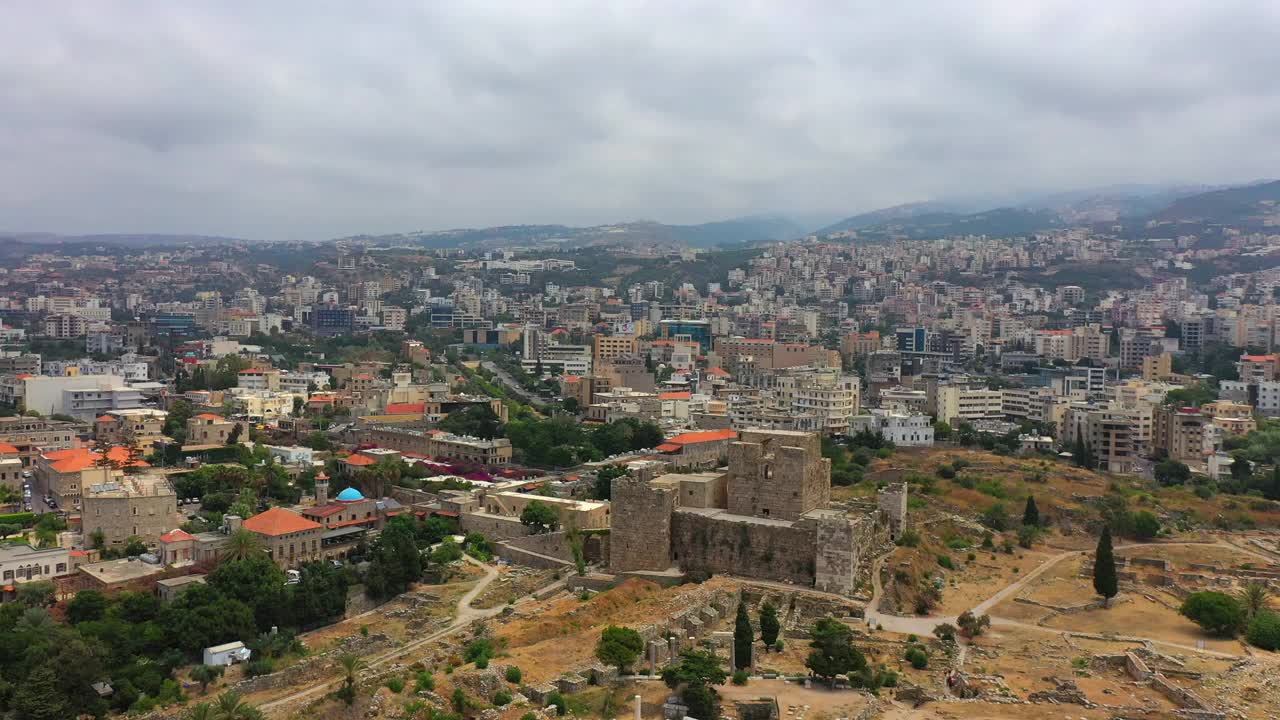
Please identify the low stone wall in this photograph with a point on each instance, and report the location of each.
(1178, 695)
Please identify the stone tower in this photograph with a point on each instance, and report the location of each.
(322, 489)
(640, 526)
(778, 474)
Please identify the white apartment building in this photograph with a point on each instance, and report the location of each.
(956, 403)
(904, 430)
(831, 396)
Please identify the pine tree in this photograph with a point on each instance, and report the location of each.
(743, 636)
(1105, 582)
(1031, 515)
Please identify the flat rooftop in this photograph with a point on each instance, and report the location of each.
(120, 571)
(722, 514)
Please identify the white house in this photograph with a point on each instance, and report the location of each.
(226, 654)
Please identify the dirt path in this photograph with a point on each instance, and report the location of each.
(465, 615)
(923, 626)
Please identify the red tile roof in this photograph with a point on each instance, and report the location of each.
(323, 510)
(8, 449)
(668, 448)
(678, 395)
(717, 371)
(178, 535)
(358, 459)
(279, 521)
(210, 416)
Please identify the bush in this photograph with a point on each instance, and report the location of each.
(889, 678)
(502, 697)
(740, 677)
(482, 663)
(1264, 631)
(1216, 612)
(945, 561)
(395, 684)
(1145, 525)
(1028, 535)
(513, 674)
(946, 473)
(957, 543)
(558, 701)
(917, 657)
(909, 538)
(946, 632)
(424, 681)
(261, 666)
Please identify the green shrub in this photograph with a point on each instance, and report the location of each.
(502, 697)
(889, 678)
(946, 473)
(424, 681)
(740, 677)
(513, 674)
(957, 543)
(1216, 612)
(917, 657)
(261, 666)
(909, 538)
(395, 684)
(1264, 631)
(945, 561)
(556, 699)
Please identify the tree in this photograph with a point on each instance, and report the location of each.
(972, 625)
(539, 517)
(1031, 514)
(257, 582)
(1215, 612)
(1105, 582)
(133, 546)
(85, 606)
(351, 664)
(619, 647)
(40, 696)
(692, 677)
(1172, 472)
(769, 625)
(743, 637)
(233, 437)
(1083, 455)
(395, 562)
(201, 711)
(833, 653)
(941, 430)
(1255, 597)
(604, 480)
(242, 545)
(1241, 469)
(206, 674)
(995, 517)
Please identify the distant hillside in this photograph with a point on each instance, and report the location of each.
(1249, 206)
(924, 225)
(125, 240)
(736, 232)
(888, 215)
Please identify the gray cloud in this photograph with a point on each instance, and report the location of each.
(318, 119)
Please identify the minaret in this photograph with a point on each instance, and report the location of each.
(322, 489)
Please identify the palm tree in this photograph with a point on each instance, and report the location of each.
(231, 706)
(351, 664)
(241, 545)
(1255, 597)
(201, 711)
(34, 620)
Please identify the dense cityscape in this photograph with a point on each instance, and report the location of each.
(564, 360)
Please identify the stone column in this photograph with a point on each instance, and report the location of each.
(637, 699)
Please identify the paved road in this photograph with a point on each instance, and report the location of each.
(511, 383)
(465, 615)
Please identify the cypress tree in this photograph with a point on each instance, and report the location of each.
(1105, 582)
(742, 638)
(769, 625)
(1031, 515)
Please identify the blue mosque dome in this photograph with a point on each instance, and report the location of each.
(350, 495)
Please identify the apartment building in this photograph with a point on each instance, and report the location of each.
(23, 563)
(211, 429)
(957, 404)
(1029, 403)
(140, 426)
(831, 396)
(142, 506)
(30, 435)
(1180, 434)
(609, 347)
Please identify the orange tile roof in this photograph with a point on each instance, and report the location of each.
(78, 459)
(704, 436)
(717, 371)
(406, 408)
(105, 418)
(678, 395)
(8, 449)
(176, 536)
(668, 448)
(210, 416)
(279, 521)
(359, 459)
(1258, 358)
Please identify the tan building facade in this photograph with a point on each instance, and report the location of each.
(142, 506)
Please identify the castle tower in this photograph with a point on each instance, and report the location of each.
(322, 489)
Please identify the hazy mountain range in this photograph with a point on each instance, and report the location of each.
(1136, 210)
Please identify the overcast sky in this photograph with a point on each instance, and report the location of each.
(312, 120)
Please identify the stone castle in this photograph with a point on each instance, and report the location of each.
(767, 516)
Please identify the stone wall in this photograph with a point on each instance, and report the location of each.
(640, 532)
(494, 527)
(736, 545)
